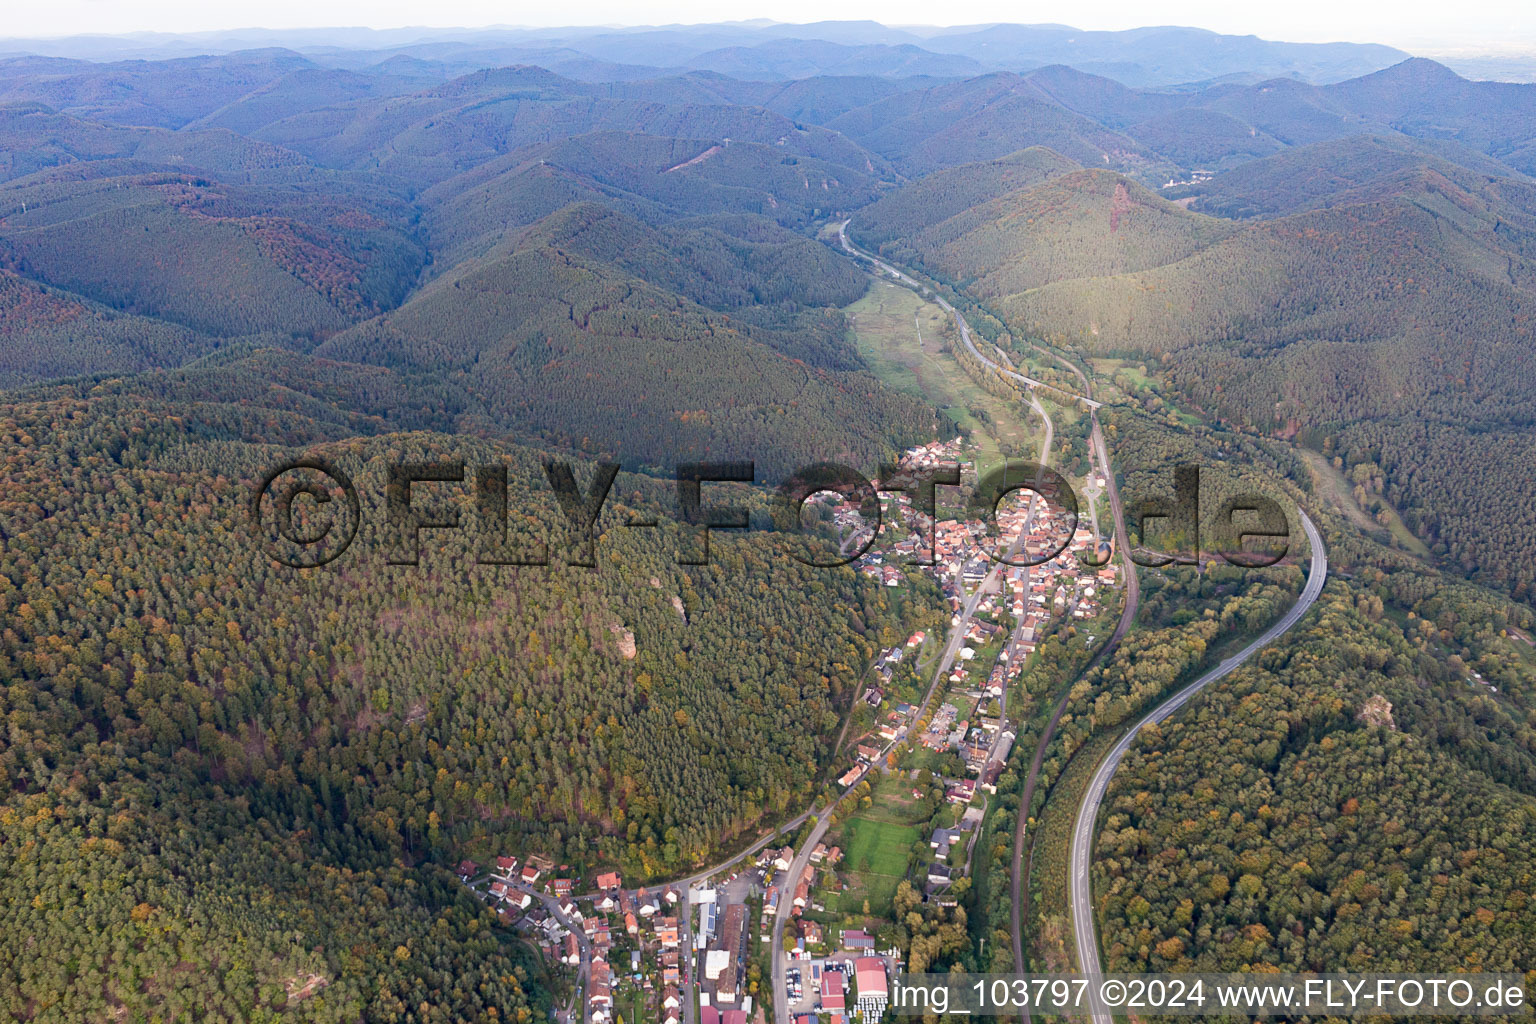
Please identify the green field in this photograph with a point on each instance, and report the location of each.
(886, 324)
(878, 847)
(1107, 368)
(874, 860)
(1331, 482)
(875, 843)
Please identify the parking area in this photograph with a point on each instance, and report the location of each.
(806, 978)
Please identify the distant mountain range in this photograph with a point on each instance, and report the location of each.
(1161, 56)
(231, 786)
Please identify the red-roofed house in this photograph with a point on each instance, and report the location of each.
(666, 932)
(832, 991)
(869, 976)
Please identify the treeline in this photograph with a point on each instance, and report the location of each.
(550, 344)
(265, 765)
(1319, 811)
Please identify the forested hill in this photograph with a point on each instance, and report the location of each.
(653, 177)
(1156, 134)
(684, 302)
(1342, 172)
(230, 789)
(1383, 310)
(252, 779)
(554, 334)
(252, 770)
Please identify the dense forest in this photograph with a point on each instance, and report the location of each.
(1381, 309)
(1379, 814)
(232, 788)
(745, 352)
(342, 732)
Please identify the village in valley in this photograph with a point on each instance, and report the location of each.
(691, 953)
(930, 735)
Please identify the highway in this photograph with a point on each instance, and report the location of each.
(1083, 831)
(1021, 864)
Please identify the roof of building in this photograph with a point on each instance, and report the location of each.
(832, 991)
(853, 938)
(869, 974)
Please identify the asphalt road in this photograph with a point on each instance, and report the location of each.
(965, 328)
(1083, 831)
(1020, 892)
(951, 650)
(578, 1012)
(1132, 584)
(803, 856)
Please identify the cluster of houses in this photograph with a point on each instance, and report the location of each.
(531, 898)
(1015, 614)
(649, 919)
(777, 863)
(960, 546)
(1013, 617)
(644, 918)
(634, 940)
(934, 453)
(849, 985)
(1196, 177)
(947, 845)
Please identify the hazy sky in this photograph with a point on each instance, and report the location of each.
(1412, 24)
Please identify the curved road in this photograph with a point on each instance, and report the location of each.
(965, 328)
(802, 858)
(1019, 882)
(1081, 895)
(941, 670)
(1020, 891)
(786, 897)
